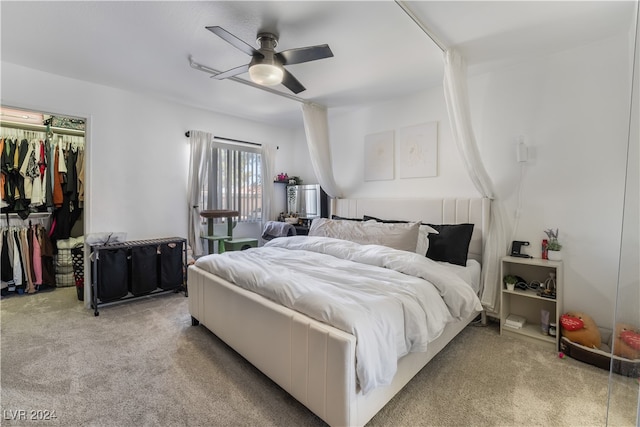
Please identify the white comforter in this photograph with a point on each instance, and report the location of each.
(394, 302)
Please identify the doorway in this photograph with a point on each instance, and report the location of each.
(43, 202)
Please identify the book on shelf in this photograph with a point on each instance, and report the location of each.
(515, 321)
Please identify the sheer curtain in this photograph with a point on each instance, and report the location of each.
(457, 99)
(198, 175)
(316, 127)
(268, 168)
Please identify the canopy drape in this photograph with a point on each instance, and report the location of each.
(268, 166)
(198, 174)
(496, 243)
(316, 127)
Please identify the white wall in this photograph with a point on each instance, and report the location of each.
(295, 160)
(138, 155)
(572, 108)
(347, 132)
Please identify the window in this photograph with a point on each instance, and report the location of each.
(235, 180)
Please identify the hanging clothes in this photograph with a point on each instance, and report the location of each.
(25, 250)
(80, 173)
(6, 260)
(58, 194)
(8, 248)
(27, 258)
(2, 175)
(47, 253)
(14, 244)
(29, 170)
(36, 171)
(71, 186)
(34, 243)
(18, 159)
(37, 192)
(48, 151)
(6, 167)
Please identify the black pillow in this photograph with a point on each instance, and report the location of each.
(451, 244)
(389, 221)
(345, 219)
(384, 221)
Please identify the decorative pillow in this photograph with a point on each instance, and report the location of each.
(451, 244)
(423, 236)
(571, 323)
(403, 236)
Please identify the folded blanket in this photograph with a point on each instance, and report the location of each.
(273, 229)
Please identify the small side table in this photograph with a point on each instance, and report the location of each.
(211, 236)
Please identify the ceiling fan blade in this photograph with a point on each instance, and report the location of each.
(304, 54)
(234, 41)
(292, 83)
(232, 72)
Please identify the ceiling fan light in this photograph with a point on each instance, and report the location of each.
(266, 74)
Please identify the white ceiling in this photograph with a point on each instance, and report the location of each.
(379, 52)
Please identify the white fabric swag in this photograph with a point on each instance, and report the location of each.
(316, 127)
(268, 167)
(457, 99)
(198, 175)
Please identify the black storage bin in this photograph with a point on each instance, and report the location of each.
(171, 265)
(144, 269)
(113, 277)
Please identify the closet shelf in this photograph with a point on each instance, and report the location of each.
(40, 128)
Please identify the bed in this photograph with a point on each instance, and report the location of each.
(314, 362)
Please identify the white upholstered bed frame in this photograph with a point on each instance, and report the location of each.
(313, 361)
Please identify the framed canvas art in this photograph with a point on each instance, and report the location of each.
(379, 156)
(418, 150)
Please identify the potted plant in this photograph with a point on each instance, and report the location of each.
(553, 246)
(510, 281)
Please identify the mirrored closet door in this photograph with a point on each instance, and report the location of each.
(624, 376)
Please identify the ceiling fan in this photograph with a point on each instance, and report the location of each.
(267, 66)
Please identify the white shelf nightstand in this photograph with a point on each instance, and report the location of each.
(527, 303)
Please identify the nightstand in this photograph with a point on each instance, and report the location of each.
(528, 303)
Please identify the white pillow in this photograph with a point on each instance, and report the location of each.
(469, 273)
(403, 236)
(423, 239)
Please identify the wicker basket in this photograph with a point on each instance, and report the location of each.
(77, 258)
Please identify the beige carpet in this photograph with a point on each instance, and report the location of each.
(141, 363)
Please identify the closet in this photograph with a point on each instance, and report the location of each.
(41, 200)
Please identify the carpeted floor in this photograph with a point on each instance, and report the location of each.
(141, 363)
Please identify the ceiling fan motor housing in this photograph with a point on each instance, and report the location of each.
(267, 41)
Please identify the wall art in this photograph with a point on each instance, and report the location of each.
(379, 156)
(418, 151)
